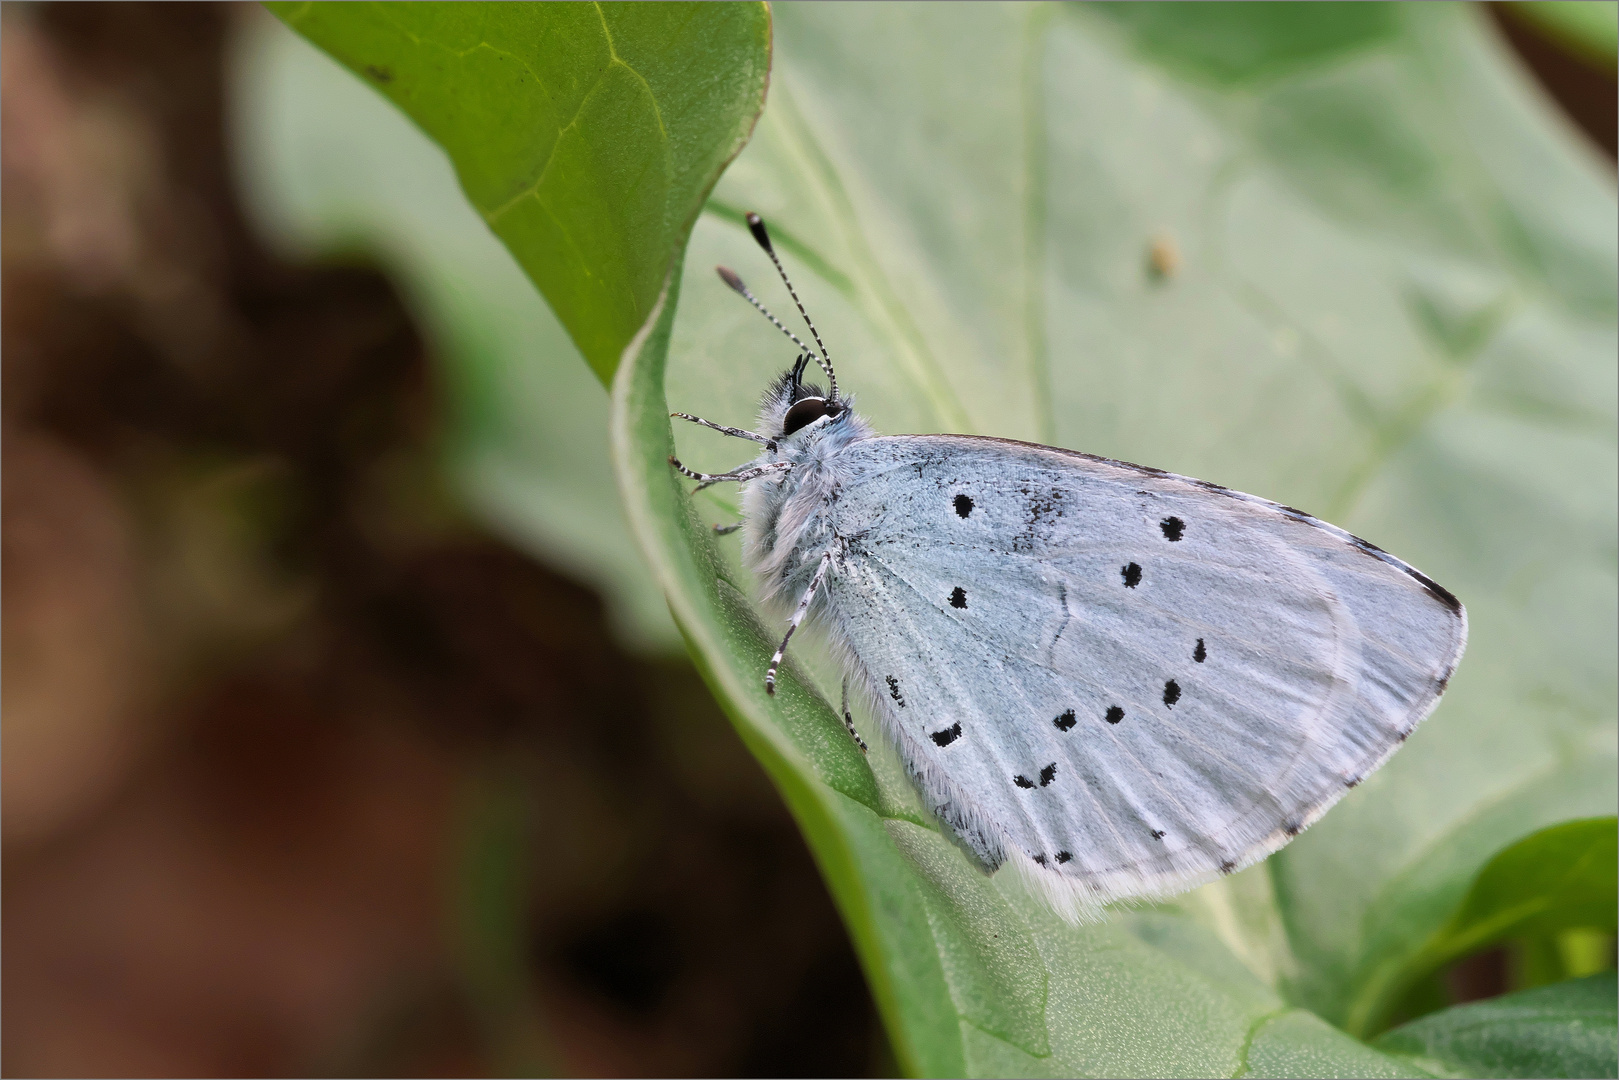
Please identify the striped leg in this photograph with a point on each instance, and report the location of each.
(737, 433)
(708, 479)
(798, 617)
(848, 720)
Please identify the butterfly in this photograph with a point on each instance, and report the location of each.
(1120, 681)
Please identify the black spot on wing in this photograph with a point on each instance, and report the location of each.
(1173, 528)
(964, 505)
(1227, 866)
(958, 597)
(1352, 781)
(1443, 681)
(1114, 714)
(1063, 856)
(1065, 721)
(1022, 781)
(1048, 774)
(1293, 828)
(1041, 859)
(948, 735)
(1157, 834)
(1200, 654)
(1172, 692)
(893, 691)
(1131, 575)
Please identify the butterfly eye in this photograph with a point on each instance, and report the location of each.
(804, 412)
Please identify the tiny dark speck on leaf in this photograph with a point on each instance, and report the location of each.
(381, 74)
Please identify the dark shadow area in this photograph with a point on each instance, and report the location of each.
(1583, 89)
(304, 772)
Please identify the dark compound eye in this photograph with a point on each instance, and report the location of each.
(806, 411)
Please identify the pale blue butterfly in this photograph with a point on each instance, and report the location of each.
(1121, 681)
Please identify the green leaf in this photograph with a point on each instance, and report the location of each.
(972, 975)
(328, 166)
(586, 135)
(1378, 313)
(1560, 878)
(1570, 1029)
(1342, 260)
(1557, 880)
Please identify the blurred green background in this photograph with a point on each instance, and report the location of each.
(346, 728)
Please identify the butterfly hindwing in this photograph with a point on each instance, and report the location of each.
(1130, 679)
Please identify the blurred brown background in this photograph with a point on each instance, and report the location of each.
(302, 773)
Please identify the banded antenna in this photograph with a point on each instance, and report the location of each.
(756, 226)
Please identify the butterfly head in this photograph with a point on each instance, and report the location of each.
(792, 405)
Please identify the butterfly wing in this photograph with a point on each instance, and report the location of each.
(1123, 680)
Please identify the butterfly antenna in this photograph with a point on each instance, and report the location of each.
(756, 226)
(730, 278)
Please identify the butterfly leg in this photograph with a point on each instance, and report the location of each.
(737, 433)
(707, 479)
(848, 720)
(798, 617)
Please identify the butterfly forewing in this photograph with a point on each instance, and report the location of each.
(1133, 679)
